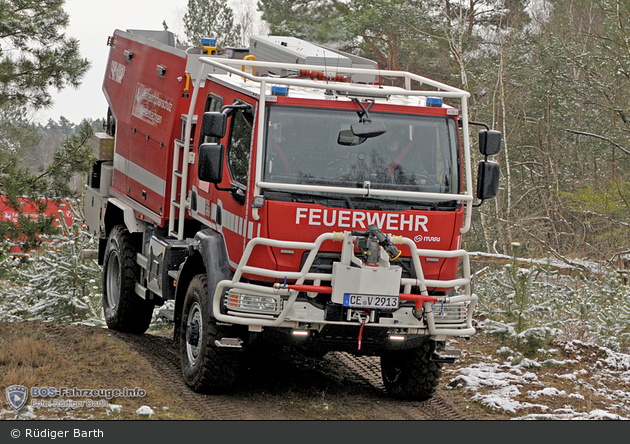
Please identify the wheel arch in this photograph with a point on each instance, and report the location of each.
(119, 213)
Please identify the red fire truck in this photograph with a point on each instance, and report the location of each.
(283, 194)
(31, 210)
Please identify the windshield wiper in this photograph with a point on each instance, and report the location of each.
(373, 203)
(309, 197)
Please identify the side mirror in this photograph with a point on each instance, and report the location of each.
(489, 142)
(488, 180)
(210, 168)
(214, 124)
(368, 129)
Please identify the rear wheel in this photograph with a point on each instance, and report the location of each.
(410, 374)
(205, 368)
(124, 310)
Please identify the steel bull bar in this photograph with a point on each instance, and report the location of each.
(425, 306)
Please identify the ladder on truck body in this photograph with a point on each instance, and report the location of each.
(180, 202)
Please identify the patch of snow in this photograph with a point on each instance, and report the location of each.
(490, 375)
(145, 410)
(559, 363)
(568, 376)
(593, 415)
(505, 351)
(528, 363)
(501, 399)
(547, 391)
(26, 414)
(114, 408)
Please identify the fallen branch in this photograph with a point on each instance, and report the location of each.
(504, 259)
(597, 136)
(610, 219)
(551, 249)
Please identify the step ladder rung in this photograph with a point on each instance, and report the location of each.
(182, 157)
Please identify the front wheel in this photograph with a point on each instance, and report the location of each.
(124, 310)
(205, 368)
(410, 374)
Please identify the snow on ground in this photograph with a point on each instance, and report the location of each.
(145, 410)
(593, 385)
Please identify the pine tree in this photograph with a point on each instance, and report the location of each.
(52, 182)
(211, 18)
(316, 21)
(55, 284)
(36, 54)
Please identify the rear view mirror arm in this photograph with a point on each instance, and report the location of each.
(485, 125)
(365, 114)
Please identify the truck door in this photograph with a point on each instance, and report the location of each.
(231, 204)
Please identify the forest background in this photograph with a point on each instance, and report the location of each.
(551, 75)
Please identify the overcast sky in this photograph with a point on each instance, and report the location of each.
(91, 22)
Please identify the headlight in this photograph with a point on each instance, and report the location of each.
(253, 303)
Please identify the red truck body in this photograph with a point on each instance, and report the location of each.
(303, 199)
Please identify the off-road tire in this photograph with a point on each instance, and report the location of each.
(410, 374)
(124, 310)
(205, 368)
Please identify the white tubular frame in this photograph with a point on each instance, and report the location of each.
(265, 320)
(237, 67)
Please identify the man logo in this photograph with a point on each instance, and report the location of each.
(17, 396)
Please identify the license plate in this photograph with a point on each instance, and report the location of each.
(370, 301)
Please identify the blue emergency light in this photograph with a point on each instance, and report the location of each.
(280, 90)
(207, 41)
(434, 101)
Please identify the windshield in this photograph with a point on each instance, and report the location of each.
(416, 153)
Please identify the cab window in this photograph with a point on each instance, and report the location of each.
(239, 148)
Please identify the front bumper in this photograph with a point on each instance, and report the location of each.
(291, 304)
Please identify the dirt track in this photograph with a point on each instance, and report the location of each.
(585, 381)
(277, 387)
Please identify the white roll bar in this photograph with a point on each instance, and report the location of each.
(236, 67)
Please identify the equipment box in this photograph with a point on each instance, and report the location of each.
(95, 204)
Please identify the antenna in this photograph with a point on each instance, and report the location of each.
(339, 58)
(326, 75)
(325, 67)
